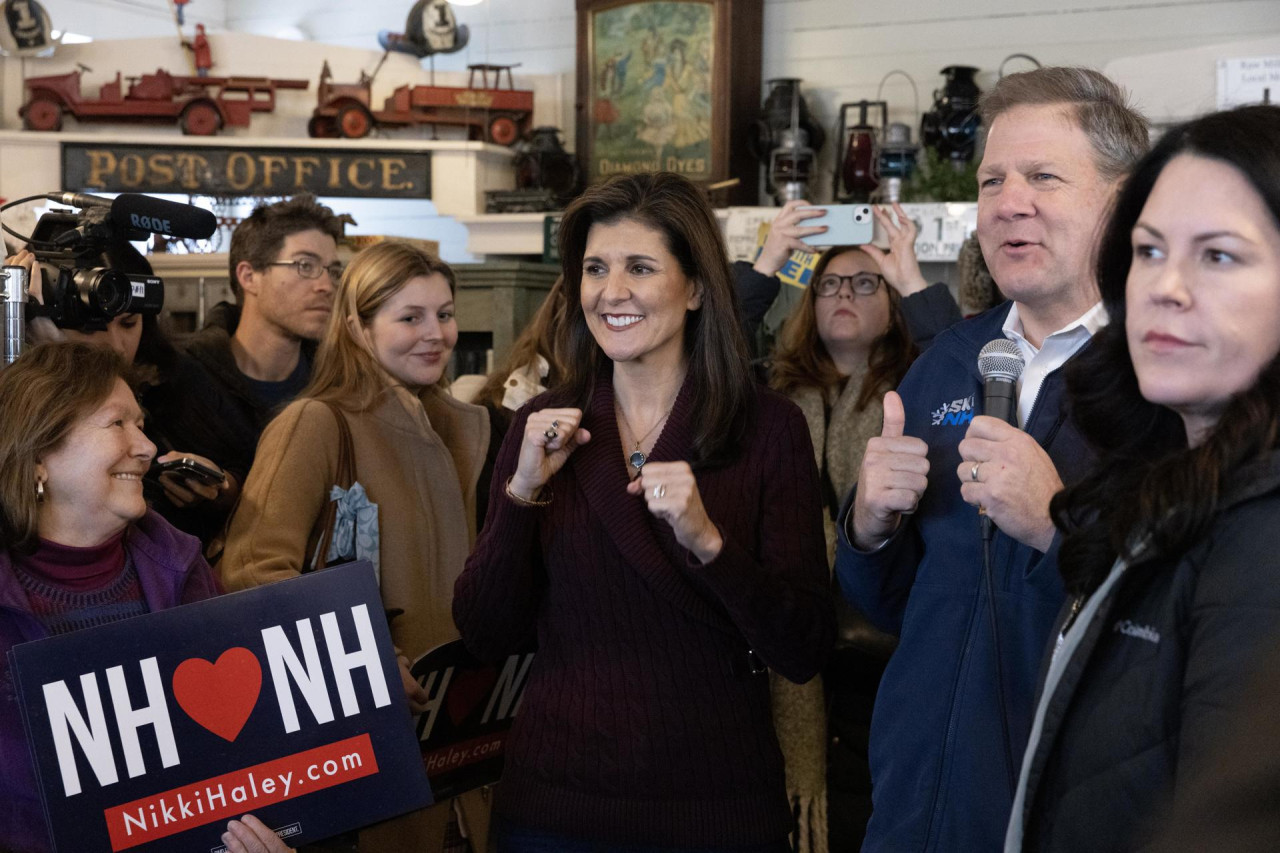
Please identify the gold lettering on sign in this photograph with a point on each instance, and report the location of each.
(353, 173)
(302, 167)
(391, 167)
(102, 164)
(132, 170)
(192, 168)
(239, 162)
(335, 180)
(272, 163)
(471, 98)
(160, 167)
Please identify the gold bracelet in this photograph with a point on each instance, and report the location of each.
(524, 501)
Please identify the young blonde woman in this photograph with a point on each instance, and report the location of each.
(417, 453)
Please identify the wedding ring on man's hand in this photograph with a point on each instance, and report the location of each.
(973, 472)
(550, 433)
(659, 491)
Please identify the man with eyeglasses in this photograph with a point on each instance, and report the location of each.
(284, 271)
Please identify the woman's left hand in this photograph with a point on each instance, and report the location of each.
(898, 263)
(671, 493)
(185, 491)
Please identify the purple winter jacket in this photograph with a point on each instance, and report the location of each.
(171, 571)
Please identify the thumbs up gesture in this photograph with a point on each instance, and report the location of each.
(894, 474)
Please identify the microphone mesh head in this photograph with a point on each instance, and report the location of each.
(1000, 359)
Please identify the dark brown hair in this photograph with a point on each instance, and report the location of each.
(544, 336)
(713, 340)
(801, 359)
(259, 238)
(42, 396)
(1148, 481)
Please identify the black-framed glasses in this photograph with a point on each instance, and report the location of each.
(309, 268)
(862, 284)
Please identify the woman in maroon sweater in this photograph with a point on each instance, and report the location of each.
(681, 554)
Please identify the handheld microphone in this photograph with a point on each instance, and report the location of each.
(1000, 364)
(146, 213)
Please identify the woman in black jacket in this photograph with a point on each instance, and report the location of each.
(1169, 548)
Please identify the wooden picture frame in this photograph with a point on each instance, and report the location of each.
(670, 85)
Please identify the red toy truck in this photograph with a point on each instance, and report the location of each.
(201, 105)
(494, 114)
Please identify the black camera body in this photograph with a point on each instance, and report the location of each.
(79, 292)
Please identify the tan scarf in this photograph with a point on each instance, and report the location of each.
(799, 710)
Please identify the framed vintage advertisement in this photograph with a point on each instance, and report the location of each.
(669, 85)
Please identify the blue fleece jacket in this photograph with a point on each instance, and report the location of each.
(939, 779)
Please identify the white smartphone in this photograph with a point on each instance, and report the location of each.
(847, 225)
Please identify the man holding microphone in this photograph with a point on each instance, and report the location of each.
(954, 707)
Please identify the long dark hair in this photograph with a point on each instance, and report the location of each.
(713, 340)
(1148, 481)
(801, 359)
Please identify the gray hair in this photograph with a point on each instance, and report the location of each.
(1119, 134)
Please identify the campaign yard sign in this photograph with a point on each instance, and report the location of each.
(284, 701)
(472, 705)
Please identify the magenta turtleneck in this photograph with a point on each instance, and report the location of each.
(75, 569)
(73, 588)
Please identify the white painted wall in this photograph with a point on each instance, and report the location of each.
(116, 19)
(842, 49)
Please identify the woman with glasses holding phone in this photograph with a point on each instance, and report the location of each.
(927, 308)
(843, 346)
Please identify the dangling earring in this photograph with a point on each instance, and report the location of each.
(39, 491)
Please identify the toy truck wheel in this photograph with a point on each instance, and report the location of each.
(322, 127)
(42, 114)
(354, 121)
(502, 130)
(201, 119)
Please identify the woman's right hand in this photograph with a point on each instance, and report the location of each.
(785, 236)
(550, 435)
(250, 835)
(40, 330)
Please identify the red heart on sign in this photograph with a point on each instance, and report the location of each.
(219, 696)
(466, 690)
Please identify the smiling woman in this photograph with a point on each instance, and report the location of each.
(78, 546)
(679, 558)
(379, 373)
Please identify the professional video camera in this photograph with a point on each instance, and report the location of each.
(79, 292)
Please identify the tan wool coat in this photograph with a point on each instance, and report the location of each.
(418, 459)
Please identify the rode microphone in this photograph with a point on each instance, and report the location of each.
(146, 213)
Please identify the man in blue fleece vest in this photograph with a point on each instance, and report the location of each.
(949, 723)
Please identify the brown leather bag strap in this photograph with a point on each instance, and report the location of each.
(346, 477)
(346, 450)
